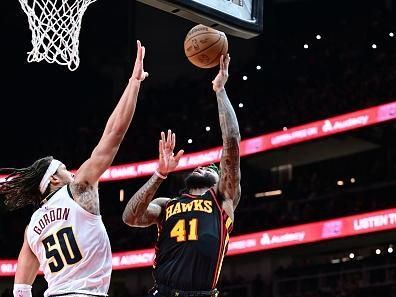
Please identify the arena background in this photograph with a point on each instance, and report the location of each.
(315, 61)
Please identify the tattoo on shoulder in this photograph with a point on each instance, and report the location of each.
(87, 196)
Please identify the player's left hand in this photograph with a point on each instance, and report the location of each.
(138, 71)
(222, 77)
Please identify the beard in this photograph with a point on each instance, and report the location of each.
(193, 181)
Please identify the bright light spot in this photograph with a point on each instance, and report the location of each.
(353, 180)
(378, 251)
(351, 255)
(189, 141)
(244, 77)
(122, 194)
(391, 34)
(258, 67)
(318, 37)
(306, 46)
(390, 250)
(340, 183)
(284, 129)
(374, 46)
(207, 128)
(268, 194)
(240, 105)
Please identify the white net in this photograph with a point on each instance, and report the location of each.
(55, 26)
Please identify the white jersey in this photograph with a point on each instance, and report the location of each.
(71, 245)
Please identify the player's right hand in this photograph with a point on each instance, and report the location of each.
(138, 71)
(167, 159)
(222, 77)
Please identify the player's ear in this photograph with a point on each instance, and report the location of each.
(55, 180)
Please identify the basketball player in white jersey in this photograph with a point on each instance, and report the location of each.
(66, 237)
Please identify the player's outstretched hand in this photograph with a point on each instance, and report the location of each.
(138, 70)
(167, 159)
(222, 77)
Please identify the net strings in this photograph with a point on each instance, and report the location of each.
(55, 26)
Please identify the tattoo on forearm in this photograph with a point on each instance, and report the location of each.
(228, 120)
(139, 202)
(230, 159)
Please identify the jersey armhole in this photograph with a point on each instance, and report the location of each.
(162, 215)
(27, 235)
(216, 199)
(80, 208)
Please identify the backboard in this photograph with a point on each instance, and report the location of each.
(242, 18)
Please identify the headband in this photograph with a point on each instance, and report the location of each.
(52, 168)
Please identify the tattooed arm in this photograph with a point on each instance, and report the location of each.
(84, 187)
(229, 185)
(140, 210)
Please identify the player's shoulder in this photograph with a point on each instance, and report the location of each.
(161, 201)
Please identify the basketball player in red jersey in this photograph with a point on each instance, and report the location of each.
(194, 227)
(66, 236)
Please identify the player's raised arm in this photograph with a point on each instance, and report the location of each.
(229, 185)
(116, 127)
(141, 211)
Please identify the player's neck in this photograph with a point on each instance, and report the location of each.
(198, 192)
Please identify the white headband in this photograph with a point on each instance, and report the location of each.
(52, 168)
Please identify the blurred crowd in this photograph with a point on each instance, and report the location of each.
(339, 72)
(370, 276)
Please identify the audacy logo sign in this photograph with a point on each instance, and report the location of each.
(349, 123)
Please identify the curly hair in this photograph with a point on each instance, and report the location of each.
(21, 186)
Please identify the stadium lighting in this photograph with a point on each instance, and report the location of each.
(268, 194)
(353, 180)
(189, 140)
(378, 251)
(374, 46)
(335, 261)
(122, 195)
(340, 183)
(390, 250)
(391, 34)
(244, 77)
(240, 105)
(207, 128)
(351, 255)
(306, 46)
(258, 67)
(318, 37)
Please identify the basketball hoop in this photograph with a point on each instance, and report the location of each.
(55, 26)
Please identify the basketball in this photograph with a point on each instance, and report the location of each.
(204, 46)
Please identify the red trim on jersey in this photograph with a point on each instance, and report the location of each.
(222, 239)
(214, 196)
(190, 195)
(219, 256)
(224, 214)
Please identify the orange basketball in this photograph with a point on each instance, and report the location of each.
(204, 46)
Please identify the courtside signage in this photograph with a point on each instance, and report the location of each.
(299, 134)
(266, 240)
